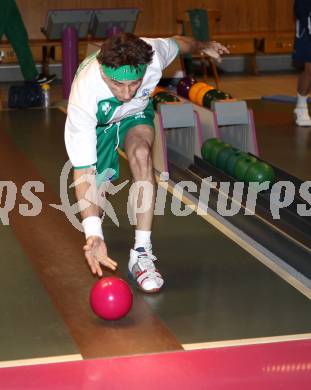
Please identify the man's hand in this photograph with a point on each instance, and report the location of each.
(215, 50)
(95, 251)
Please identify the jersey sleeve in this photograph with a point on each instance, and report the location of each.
(80, 127)
(166, 50)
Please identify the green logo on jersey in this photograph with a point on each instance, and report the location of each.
(106, 109)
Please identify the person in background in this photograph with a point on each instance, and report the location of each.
(302, 57)
(12, 26)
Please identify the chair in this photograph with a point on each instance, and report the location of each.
(199, 23)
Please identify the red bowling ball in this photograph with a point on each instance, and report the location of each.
(111, 298)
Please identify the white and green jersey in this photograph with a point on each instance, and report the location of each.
(91, 103)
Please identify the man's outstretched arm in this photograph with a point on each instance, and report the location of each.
(188, 45)
(95, 249)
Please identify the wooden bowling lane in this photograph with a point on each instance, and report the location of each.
(280, 141)
(55, 249)
(284, 366)
(214, 289)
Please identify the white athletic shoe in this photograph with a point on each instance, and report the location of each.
(302, 117)
(143, 271)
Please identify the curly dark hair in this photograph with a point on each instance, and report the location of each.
(125, 49)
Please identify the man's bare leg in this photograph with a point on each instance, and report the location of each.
(138, 147)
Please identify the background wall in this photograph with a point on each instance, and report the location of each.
(159, 16)
(247, 15)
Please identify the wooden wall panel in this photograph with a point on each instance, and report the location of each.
(246, 15)
(284, 18)
(159, 16)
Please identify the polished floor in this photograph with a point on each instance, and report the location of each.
(216, 292)
(280, 141)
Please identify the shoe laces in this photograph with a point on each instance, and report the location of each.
(148, 250)
(145, 262)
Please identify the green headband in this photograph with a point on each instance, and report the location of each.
(125, 72)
